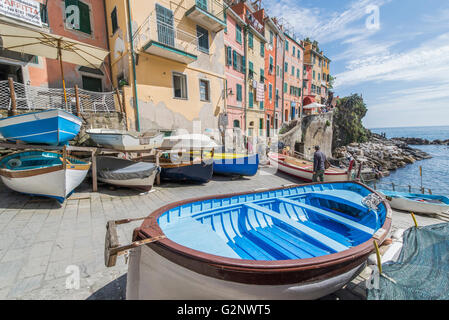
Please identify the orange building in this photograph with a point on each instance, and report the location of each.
(81, 20)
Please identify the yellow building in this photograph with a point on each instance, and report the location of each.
(178, 62)
(325, 76)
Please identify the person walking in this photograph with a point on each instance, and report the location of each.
(319, 160)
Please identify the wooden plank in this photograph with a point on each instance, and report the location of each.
(330, 215)
(77, 100)
(328, 242)
(94, 172)
(12, 94)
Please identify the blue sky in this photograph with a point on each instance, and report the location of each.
(400, 65)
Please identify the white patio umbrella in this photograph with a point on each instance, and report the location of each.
(36, 42)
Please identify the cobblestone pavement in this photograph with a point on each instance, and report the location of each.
(43, 245)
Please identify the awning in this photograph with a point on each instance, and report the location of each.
(39, 43)
(313, 105)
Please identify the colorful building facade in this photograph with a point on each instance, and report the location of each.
(293, 78)
(254, 42)
(316, 59)
(177, 74)
(235, 70)
(270, 77)
(82, 20)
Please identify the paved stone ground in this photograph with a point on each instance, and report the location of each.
(43, 245)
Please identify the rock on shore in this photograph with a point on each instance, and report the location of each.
(419, 141)
(379, 155)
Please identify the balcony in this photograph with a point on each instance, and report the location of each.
(207, 13)
(165, 40)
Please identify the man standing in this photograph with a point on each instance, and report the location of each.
(319, 160)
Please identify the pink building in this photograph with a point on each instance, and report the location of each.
(308, 96)
(235, 70)
(82, 20)
(293, 78)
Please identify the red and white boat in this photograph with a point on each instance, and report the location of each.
(303, 169)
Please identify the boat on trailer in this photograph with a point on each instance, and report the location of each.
(301, 242)
(418, 203)
(303, 169)
(51, 127)
(126, 173)
(42, 173)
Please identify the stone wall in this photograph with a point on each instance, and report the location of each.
(308, 132)
(317, 130)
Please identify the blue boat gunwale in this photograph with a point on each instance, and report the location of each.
(272, 272)
(43, 111)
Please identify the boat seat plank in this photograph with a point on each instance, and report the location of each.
(317, 236)
(330, 215)
(209, 241)
(255, 251)
(304, 245)
(270, 244)
(347, 197)
(282, 242)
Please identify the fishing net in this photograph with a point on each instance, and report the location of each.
(422, 269)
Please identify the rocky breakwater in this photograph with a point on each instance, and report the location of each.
(378, 156)
(423, 142)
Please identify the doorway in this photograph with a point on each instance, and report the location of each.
(11, 71)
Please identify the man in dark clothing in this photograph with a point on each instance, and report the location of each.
(319, 160)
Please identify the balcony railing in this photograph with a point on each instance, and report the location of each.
(159, 38)
(208, 13)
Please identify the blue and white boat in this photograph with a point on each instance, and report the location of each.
(41, 173)
(300, 242)
(236, 164)
(51, 127)
(418, 203)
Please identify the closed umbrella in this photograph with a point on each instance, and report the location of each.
(39, 43)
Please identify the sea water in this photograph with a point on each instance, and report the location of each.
(435, 171)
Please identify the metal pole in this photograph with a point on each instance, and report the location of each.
(62, 71)
(133, 66)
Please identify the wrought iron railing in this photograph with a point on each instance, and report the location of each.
(169, 35)
(32, 98)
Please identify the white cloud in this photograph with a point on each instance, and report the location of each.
(325, 26)
(429, 61)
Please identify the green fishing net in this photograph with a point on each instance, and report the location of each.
(422, 269)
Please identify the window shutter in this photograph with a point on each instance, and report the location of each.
(234, 59)
(250, 40)
(250, 99)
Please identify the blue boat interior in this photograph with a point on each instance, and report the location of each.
(30, 160)
(295, 223)
(435, 199)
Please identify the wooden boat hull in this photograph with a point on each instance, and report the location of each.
(305, 174)
(402, 203)
(170, 281)
(234, 164)
(167, 269)
(120, 140)
(199, 172)
(54, 182)
(52, 127)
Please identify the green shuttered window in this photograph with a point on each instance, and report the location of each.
(84, 15)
